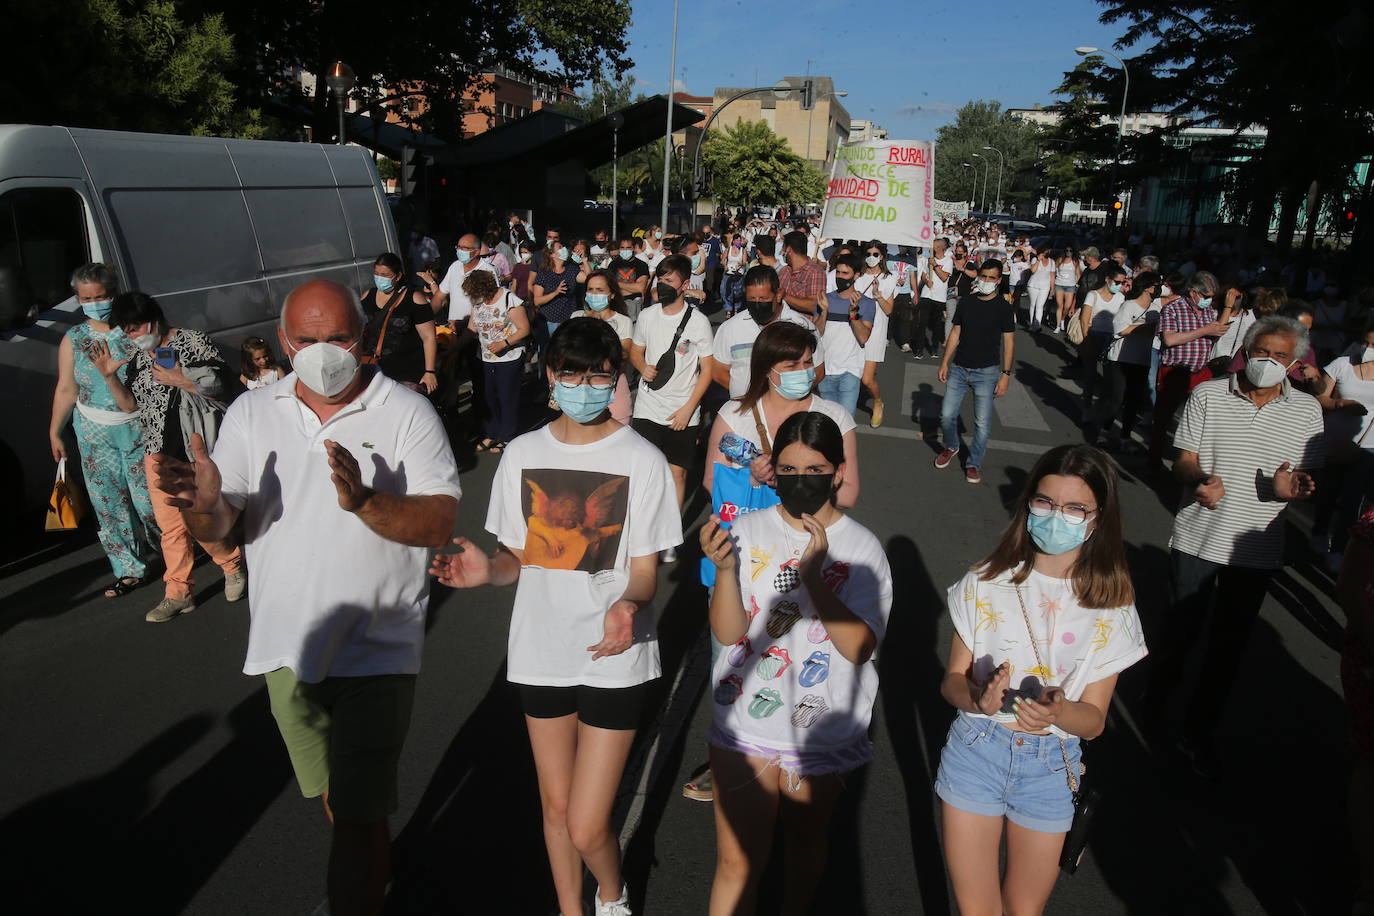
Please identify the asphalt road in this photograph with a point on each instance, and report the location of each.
(142, 769)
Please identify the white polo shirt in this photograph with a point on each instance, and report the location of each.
(328, 596)
(460, 306)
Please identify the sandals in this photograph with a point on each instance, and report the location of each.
(123, 586)
(496, 448)
(485, 445)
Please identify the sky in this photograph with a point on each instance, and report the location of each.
(907, 66)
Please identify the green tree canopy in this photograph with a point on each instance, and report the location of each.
(748, 163)
(979, 124)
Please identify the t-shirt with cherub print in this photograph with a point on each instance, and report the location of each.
(784, 686)
(1078, 646)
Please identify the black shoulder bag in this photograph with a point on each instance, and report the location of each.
(1085, 799)
(667, 360)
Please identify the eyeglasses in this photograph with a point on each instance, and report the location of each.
(598, 380)
(1073, 513)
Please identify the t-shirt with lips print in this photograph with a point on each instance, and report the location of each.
(784, 686)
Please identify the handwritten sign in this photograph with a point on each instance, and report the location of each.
(884, 190)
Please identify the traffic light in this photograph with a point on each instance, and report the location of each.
(1350, 213)
(413, 164)
(1116, 206)
(808, 95)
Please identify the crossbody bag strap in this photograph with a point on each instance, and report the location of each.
(386, 321)
(1063, 749)
(762, 429)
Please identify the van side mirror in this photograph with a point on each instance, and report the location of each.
(15, 298)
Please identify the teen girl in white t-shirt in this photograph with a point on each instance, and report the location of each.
(802, 599)
(880, 285)
(1043, 626)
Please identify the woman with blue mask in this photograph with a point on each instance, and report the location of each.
(1042, 629)
(603, 301)
(581, 508)
(400, 336)
(109, 439)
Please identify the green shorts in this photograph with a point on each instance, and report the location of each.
(344, 736)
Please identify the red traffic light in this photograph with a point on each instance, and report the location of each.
(1116, 205)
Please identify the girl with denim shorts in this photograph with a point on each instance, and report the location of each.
(1043, 626)
(801, 602)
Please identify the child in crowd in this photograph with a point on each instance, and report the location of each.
(259, 367)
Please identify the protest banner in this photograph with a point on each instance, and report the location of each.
(948, 210)
(882, 189)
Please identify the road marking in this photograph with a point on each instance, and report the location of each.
(1016, 409)
(890, 433)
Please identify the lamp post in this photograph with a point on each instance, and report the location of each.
(340, 80)
(781, 89)
(1120, 124)
(668, 130)
(974, 192)
(1000, 160)
(617, 121)
(987, 167)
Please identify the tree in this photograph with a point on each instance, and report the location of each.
(748, 163)
(979, 124)
(418, 48)
(146, 65)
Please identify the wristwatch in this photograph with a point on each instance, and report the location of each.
(1006, 372)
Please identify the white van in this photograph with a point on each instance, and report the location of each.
(218, 230)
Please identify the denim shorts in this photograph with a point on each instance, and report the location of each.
(988, 769)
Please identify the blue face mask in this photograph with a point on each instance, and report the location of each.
(1053, 535)
(1113, 288)
(463, 255)
(626, 253)
(383, 284)
(696, 261)
(796, 384)
(583, 403)
(598, 301)
(1205, 302)
(98, 310)
(562, 253)
(576, 259)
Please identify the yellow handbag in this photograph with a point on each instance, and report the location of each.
(66, 506)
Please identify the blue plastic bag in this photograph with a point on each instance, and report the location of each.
(733, 494)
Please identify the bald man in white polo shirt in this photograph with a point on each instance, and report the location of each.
(345, 481)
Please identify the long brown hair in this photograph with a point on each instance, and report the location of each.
(1101, 578)
(617, 301)
(779, 342)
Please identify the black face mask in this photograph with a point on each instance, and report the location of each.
(842, 284)
(804, 494)
(667, 294)
(761, 312)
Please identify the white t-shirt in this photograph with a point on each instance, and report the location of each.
(654, 332)
(1104, 310)
(491, 321)
(936, 288)
(1351, 386)
(1078, 645)
(741, 421)
(886, 284)
(328, 596)
(1133, 348)
(622, 325)
(652, 257)
(1042, 275)
(783, 686)
(1234, 338)
(1017, 271)
(580, 513)
(265, 378)
(734, 344)
(459, 305)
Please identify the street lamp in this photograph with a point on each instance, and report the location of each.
(617, 121)
(1120, 125)
(668, 130)
(340, 80)
(781, 90)
(987, 167)
(973, 193)
(1000, 160)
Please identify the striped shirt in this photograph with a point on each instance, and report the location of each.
(1182, 315)
(1243, 445)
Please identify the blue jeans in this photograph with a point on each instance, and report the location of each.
(843, 389)
(1154, 374)
(983, 382)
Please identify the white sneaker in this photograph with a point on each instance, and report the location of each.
(619, 907)
(906, 348)
(668, 556)
(234, 585)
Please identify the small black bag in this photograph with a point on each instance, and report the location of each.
(667, 360)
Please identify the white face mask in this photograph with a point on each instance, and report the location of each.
(1265, 371)
(872, 260)
(1367, 355)
(146, 342)
(986, 287)
(324, 368)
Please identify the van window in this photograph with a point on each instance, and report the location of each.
(365, 221)
(43, 236)
(185, 238)
(300, 227)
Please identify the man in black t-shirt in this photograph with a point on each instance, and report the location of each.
(977, 356)
(631, 275)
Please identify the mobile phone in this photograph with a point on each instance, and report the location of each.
(165, 357)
